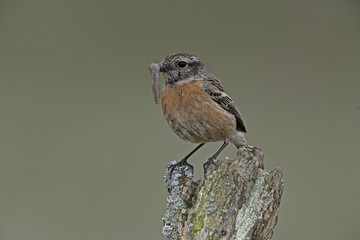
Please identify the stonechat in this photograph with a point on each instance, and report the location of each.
(195, 104)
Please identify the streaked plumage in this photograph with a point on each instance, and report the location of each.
(196, 106)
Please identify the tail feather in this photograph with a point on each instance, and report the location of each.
(238, 139)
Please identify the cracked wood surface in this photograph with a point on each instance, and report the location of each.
(238, 200)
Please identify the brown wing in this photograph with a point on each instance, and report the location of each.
(214, 88)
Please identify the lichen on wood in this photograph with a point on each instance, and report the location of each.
(238, 199)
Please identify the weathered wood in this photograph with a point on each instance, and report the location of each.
(238, 200)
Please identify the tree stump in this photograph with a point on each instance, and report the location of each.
(238, 199)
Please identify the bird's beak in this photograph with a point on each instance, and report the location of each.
(155, 68)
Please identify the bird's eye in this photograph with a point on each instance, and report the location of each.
(182, 64)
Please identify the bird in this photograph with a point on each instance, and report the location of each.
(196, 106)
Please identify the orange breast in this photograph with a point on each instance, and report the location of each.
(193, 116)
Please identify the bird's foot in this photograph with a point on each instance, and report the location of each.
(207, 164)
(183, 162)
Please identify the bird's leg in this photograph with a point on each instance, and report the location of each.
(184, 160)
(211, 159)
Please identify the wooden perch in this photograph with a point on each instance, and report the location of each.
(238, 200)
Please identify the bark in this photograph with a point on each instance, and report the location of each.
(237, 200)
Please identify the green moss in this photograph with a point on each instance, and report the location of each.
(199, 223)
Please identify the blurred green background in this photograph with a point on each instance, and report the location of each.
(84, 147)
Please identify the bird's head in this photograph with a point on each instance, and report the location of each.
(178, 68)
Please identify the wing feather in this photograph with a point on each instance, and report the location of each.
(216, 91)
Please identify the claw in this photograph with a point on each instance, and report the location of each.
(181, 163)
(207, 164)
